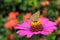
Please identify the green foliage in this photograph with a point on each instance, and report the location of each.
(52, 15)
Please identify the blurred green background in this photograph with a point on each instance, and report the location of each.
(23, 6)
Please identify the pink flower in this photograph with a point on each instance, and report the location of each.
(29, 28)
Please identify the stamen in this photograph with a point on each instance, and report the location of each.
(36, 26)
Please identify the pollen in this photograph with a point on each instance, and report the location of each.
(36, 26)
(35, 23)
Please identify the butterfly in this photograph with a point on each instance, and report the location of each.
(35, 16)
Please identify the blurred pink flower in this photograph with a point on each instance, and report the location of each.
(45, 3)
(11, 20)
(57, 20)
(42, 26)
(26, 17)
(41, 39)
(11, 36)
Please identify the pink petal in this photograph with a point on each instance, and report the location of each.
(21, 32)
(29, 34)
(24, 32)
(23, 26)
(49, 24)
(44, 20)
(50, 29)
(44, 32)
(36, 32)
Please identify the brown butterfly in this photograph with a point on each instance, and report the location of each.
(35, 16)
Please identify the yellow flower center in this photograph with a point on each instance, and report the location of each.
(36, 25)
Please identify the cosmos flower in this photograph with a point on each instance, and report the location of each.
(44, 3)
(57, 20)
(11, 36)
(42, 16)
(42, 26)
(26, 17)
(12, 15)
(11, 20)
(41, 38)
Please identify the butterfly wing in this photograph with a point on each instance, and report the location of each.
(35, 16)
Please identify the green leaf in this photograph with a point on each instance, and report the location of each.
(8, 1)
(30, 2)
(58, 2)
(20, 17)
(18, 1)
(35, 2)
